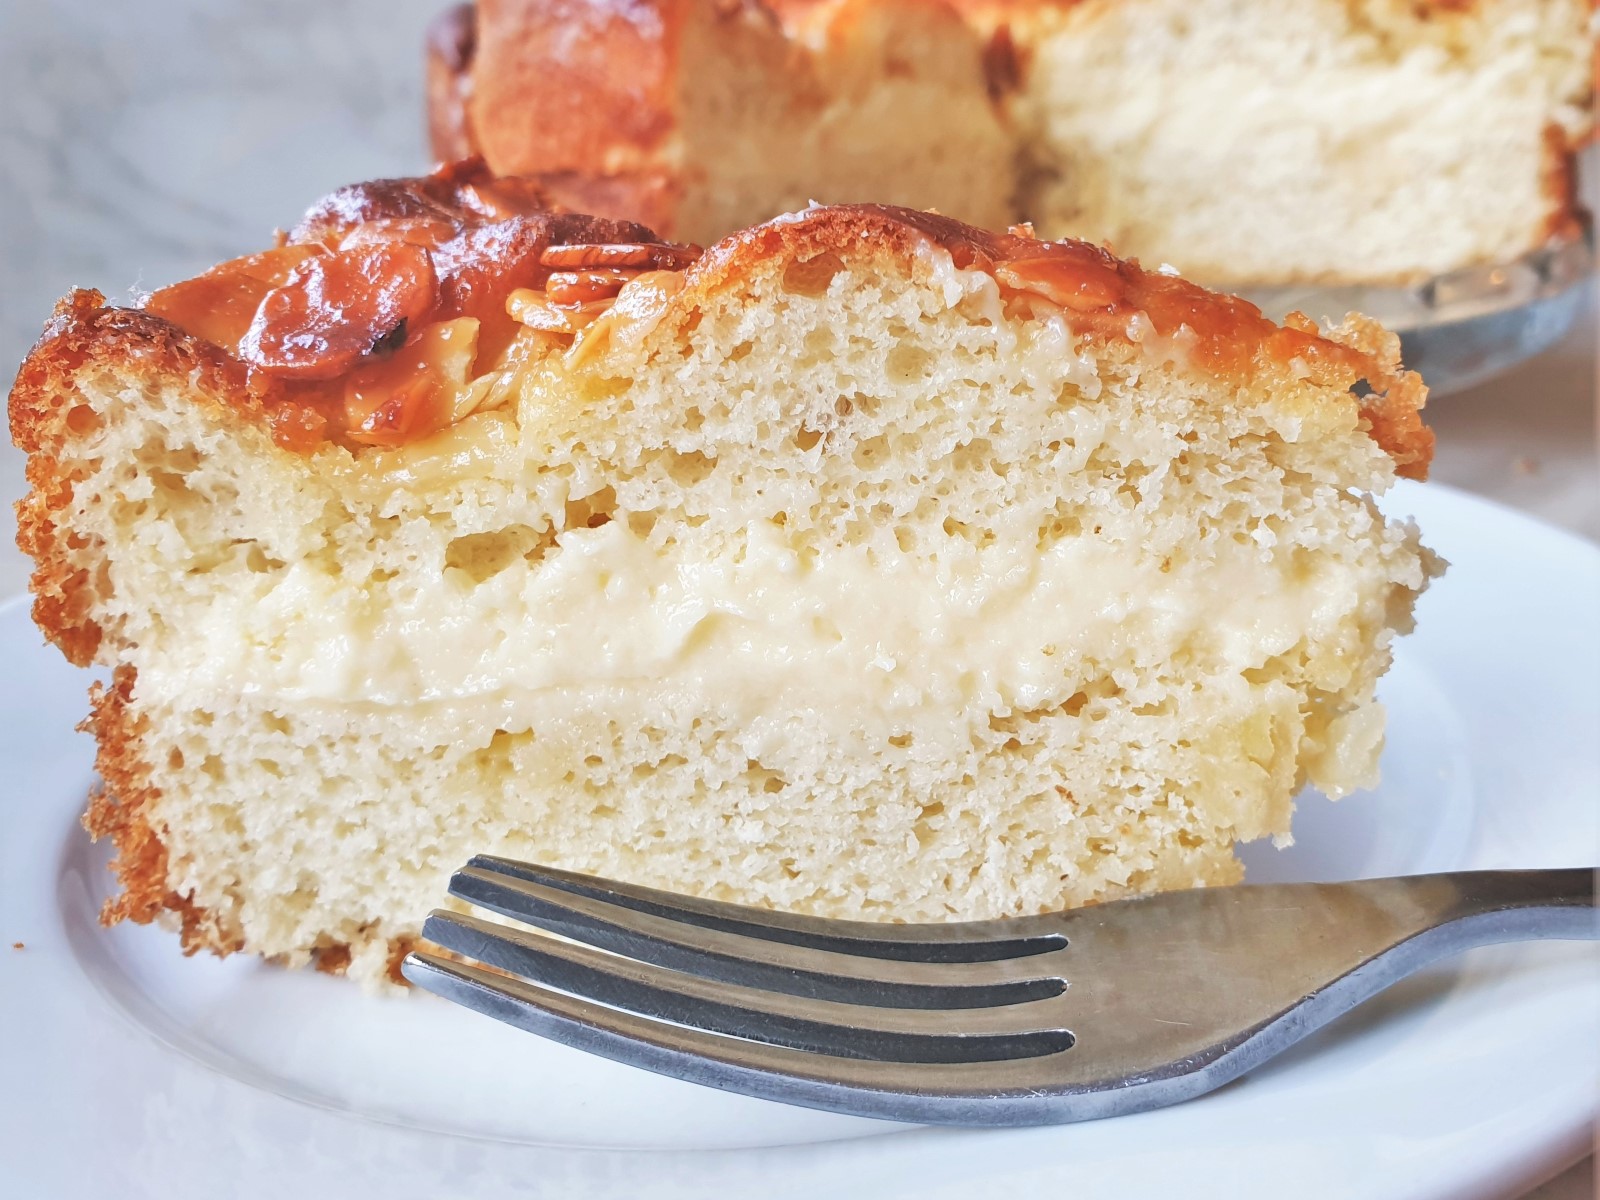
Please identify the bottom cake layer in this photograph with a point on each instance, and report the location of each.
(331, 831)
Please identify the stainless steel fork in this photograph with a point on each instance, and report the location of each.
(1031, 1020)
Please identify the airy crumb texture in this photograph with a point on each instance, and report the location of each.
(848, 584)
(1328, 141)
(1324, 141)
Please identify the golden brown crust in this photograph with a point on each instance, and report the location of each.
(332, 959)
(120, 809)
(1565, 218)
(646, 193)
(45, 398)
(398, 949)
(574, 85)
(47, 412)
(63, 594)
(582, 95)
(1392, 407)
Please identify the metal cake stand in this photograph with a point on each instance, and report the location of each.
(1463, 327)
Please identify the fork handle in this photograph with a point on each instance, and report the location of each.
(1505, 906)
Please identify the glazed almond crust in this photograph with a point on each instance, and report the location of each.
(87, 337)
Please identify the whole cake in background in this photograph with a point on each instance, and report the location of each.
(1247, 142)
(866, 564)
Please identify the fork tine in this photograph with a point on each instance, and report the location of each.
(981, 1093)
(756, 962)
(955, 941)
(1184, 992)
(857, 1030)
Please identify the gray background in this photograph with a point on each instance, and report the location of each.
(142, 142)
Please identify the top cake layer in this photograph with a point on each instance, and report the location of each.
(395, 307)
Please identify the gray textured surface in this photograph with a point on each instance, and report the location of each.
(140, 143)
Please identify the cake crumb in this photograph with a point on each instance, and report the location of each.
(18, 946)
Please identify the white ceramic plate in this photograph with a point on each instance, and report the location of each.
(129, 1071)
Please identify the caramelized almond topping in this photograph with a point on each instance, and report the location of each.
(411, 393)
(533, 309)
(298, 427)
(1081, 285)
(581, 287)
(428, 232)
(646, 256)
(219, 305)
(459, 193)
(498, 199)
(396, 306)
(536, 310)
(482, 263)
(632, 315)
(336, 308)
(355, 330)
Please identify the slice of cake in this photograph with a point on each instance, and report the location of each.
(704, 116)
(1324, 141)
(866, 565)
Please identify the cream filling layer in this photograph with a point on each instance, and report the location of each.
(872, 642)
